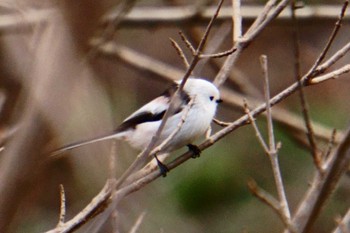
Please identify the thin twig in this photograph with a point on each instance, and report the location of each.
(333, 59)
(330, 147)
(264, 196)
(264, 66)
(331, 75)
(180, 52)
(220, 54)
(257, 131)
(269, 200)
(187, 43)
(304, 106)
(221, 123)
(62, 217)
(272, 151)
(331, 38)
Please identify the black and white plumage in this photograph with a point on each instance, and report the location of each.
(139, 128)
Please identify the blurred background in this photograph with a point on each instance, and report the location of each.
(58, 86)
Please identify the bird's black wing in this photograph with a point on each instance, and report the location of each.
(154, 110)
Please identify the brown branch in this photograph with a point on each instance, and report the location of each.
(180, 52)
(304, 105)
(148, 16)
(269, 200)
(330, 147)
(187, 43)
(338, 55)
(257, 131)
(271, 150)
(220, 54)
(331, 38)
(264, 196)
(331, 75)
(221, 123)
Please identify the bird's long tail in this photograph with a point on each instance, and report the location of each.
(82, 143)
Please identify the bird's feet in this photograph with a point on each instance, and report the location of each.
(195, 150)
(162, 167)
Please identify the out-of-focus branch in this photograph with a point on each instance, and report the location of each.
(237, 20)
(141, 16)
(343, 224)
(175, 15)
(138, 222)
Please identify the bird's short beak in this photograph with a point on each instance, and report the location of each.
(219, 101)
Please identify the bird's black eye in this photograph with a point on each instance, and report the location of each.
(211, 98)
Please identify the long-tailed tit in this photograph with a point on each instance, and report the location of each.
(139, 128)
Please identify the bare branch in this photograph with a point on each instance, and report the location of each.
(62, 207)
(332, 75)
(272, 146)
(264, 196)
(257, 131)
(269, 200)
(330, 147)
(237, 20)
(338, 55)
(221, 123)
(304, 106)
(187, 43)
(180, 52)
(331, 38)
(220, 54)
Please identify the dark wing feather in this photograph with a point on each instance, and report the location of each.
(140, 118)
(154, 110)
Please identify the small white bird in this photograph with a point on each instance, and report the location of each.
(139, 128)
